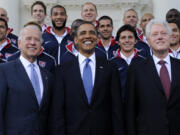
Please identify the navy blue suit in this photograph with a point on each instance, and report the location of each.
(20, 113)
(73, 115)
(148, 111)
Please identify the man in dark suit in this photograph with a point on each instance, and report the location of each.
(86, 98)
(152, 102)
(25, 90)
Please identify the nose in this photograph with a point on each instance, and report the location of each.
(32, 41)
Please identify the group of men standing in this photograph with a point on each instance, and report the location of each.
(84, 81)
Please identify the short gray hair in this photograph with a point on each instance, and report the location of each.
(34, 27)
(157, 21)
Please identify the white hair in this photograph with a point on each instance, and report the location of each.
(157, 21)
(34, 27)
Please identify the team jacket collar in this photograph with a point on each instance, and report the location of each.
(10, 30)
(113, 42)
(49, 29)
(70, 47)
(139, 34)
(118, 54)
(7, 43)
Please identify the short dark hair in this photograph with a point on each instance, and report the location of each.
(33, 23)
(5, 22)
(84, 22)
(58, 6)
(38, 3)
(175, 22)
(75, 24)
(126, 27)
(105, 18)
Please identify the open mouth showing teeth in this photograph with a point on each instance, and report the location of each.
(88, 42)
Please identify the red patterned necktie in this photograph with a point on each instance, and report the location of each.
(165, 79)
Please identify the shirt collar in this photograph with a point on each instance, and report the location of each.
(82, 58)
(166, 59)
(26, 63)
(65, 33)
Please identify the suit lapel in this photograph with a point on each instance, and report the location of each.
(174, 76)
(25, 79)
(76, 73)
(98, 77)
(154, 74)
(45, 86)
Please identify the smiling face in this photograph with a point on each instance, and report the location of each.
(3, 31)
(105, 29)
(131, 18)
(3, 14)
(144, 20)
(38, 14)
(175, 37)
(89, 13)
(86, 39)
(159, 39)
(127, 41)
(30, 43)
(58, 18)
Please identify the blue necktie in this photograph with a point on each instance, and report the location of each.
(87, 79)
(35, 82)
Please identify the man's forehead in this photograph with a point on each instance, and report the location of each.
(89, 5)
(2, 11)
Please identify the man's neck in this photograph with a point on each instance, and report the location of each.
(127, 54)
(175, 47)
(59, 32)
(161, 55)
(106, 42)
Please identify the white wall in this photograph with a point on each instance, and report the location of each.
(162, 6)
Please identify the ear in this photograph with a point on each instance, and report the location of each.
(75, 40)
(136, 41)
(19, 44)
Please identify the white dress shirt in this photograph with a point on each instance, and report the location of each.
(27, 67)
(167, 64)
(92, 63)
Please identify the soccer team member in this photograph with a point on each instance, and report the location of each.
(9, 34)
(6, 47)
(127, 54)
(89, 13)
(144, 21)
(57, 37)
(38, 13)
(131, 18)
(174, 40)
(106, 41)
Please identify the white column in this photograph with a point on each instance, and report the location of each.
(12, 7)
(161, 7)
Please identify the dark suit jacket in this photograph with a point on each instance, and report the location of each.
(71, 113)
(148, 111)
(20, 113)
